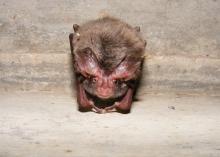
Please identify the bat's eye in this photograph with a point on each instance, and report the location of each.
(94, 79)
(120, 83)
(117, 82)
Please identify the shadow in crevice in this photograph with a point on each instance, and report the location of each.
(73, 77)
(139, 83)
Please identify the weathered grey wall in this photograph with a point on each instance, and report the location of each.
(183, 42)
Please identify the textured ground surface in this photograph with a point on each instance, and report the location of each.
(48, 125)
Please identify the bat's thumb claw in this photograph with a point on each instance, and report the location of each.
(103, 111)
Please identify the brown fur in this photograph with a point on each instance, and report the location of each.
(111, 40)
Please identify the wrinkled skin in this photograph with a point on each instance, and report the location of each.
(96, 82)
(100, 89)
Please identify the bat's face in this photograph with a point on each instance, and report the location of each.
(102, 87)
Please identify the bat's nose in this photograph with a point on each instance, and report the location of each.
(104, 93)
(105, 88)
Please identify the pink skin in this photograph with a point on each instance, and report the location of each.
(103, 91)
(84, 103)
(88, 66)
(124, 105)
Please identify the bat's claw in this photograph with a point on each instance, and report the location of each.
(98, 110)
(112, 108)
(105, 110)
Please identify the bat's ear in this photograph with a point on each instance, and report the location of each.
(87, 61)
(127, 69)
(75, 28)
(137, 28)
(87, 57)
(71, 42)
(73, 36)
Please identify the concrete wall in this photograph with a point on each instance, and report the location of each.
(183, 42)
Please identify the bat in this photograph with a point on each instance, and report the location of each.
(107, 59)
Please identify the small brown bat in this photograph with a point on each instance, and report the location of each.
(107, 58)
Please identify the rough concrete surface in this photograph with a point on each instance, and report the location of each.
(49, 125)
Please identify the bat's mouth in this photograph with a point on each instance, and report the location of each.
(103, 103)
